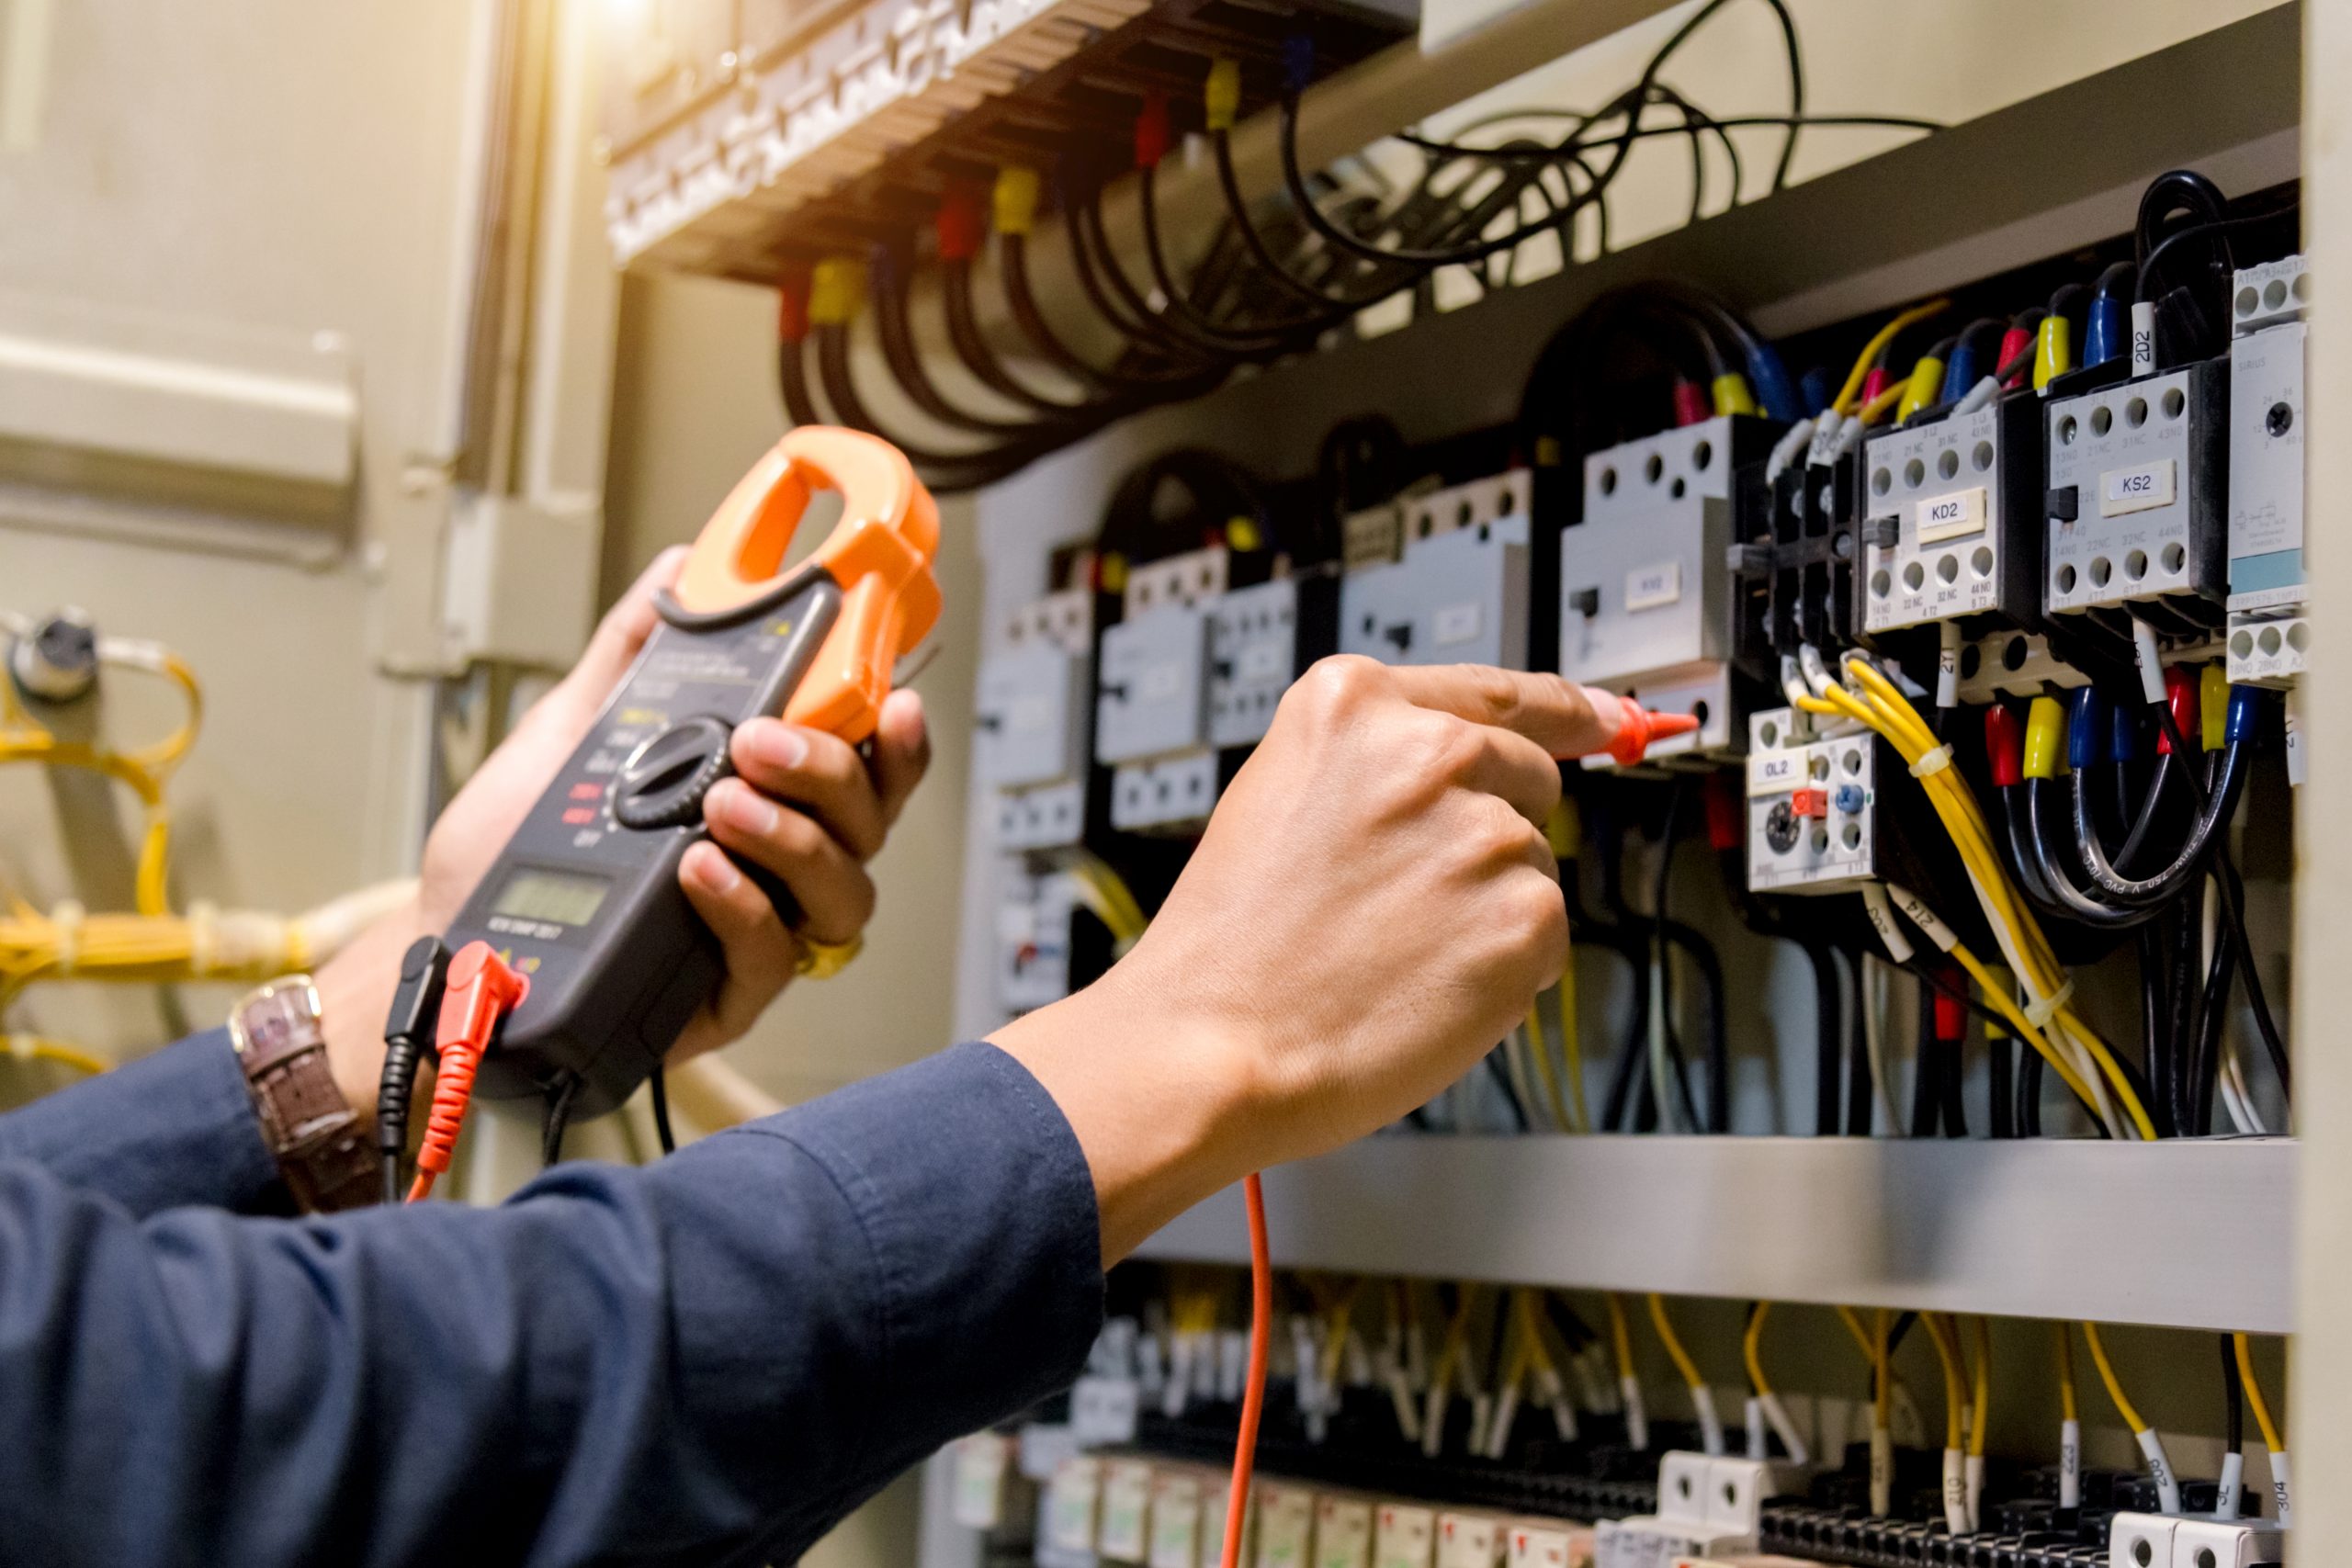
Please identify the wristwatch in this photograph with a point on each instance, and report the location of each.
(310, 1129)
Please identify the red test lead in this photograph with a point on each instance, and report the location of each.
(480, 990)
(1638, 729)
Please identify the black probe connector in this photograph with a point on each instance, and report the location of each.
(416, 1009)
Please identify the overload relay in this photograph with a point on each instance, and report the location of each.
(1812, 806)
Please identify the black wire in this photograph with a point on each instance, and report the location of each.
(2155, 1021)
(559, 1117)
(2030, 1071)
(2233, 916)
(2029, 1076)
(972, 349)
(1858, 1086)
(792, 380)
(2234, 1408)
(660, 1088)
(898, 352)
(2213, 1022)
(2000, 1068)
(1828, 1001)
(1926, 1101)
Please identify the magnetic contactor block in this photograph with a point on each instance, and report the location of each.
(1034, 706)
(1260, 640)
(1812, 806)
(1151, 703)
(1794, 560)
(2269, 634)
(2136, 502)
(1953, 520)
(1459, 592)
(1645, 587)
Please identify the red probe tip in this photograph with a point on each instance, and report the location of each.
(1638, 730)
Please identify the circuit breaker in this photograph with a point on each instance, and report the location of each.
(1953, 520)
(1034, 703)
(1151, 699)
(1812, 806)
(1034, 938)
(2268, 634)
(1459, 592)
(1644, 587)
(2136, 501)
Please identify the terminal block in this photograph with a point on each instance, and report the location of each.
(1644, 586)
(1794, 557)
(1151, 699)
(1035, 705)
(2269, 634)
(1814, 818)
(2136, 503)
(1458, 593)
(1954, 521)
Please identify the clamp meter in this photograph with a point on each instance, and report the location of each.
(584, 898)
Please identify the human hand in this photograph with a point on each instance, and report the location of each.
(805, 805)
(1371, 908)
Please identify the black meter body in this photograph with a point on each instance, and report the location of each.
(585, 898)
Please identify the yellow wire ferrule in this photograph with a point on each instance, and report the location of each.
(2053, 351)
(1927, 381)
(2213, 706)
(1015, 199)
(836, 291)
(1730, 394)
(1222, 101)
(2045, 737)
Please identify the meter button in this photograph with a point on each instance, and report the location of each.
(662, 783)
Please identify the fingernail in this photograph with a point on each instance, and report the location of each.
(716, 872)
(779, 746)
(749, 810)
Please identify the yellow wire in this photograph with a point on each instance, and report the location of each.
(41, 1049)
(1879, 340)
(1335, 1345)
(2067, 1404)
(1955, 1389)
(2107, 1375)
(1982, 1402)
(1748, 1348)
(1681, 1357)
(1457, 1335)
(1544, 1068)
(1620, 1335)
(2271, 1437)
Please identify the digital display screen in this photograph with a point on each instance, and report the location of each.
(564, 897)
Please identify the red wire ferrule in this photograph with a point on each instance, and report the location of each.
(2016, 341)
(1151, 130)
(1692, 405)
(481, 991)
(2004, 744)
(792, 308)
(1726, 813)
(2180, 695)
(960, 226)
(1876, 383)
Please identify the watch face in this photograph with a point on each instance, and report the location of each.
(274, 1021)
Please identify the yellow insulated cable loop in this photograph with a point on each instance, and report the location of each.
(1544, 1071)
(1955, 1467)
(1852, 390)
(2152, 1447)
(2070, 1427)
(1629, 1385)
(1711, 1425)
(40, 1048)
(2273, 1441)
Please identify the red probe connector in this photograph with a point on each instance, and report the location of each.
(481, 989)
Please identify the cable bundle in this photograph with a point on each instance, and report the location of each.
(1262, 289)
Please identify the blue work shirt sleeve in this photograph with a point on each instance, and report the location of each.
(708, 1361)
(177, 1127)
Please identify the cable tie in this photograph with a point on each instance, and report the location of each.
(202, 937)
(65, 922)
(23, 1047)
(2040, 1010)
(1932, 763)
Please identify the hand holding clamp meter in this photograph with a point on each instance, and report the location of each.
(584, 900)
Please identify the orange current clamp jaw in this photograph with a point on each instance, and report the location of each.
(879, 554)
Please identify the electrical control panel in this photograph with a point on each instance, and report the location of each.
(1458, 594)
(1813, 808)
(2269, 634)
(1644, 587)
(1953, 527)
(1034, 708)
(2137, 502)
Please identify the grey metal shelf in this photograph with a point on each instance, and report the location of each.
(2030, 1228)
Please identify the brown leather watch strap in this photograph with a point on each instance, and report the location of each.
(310, 1127)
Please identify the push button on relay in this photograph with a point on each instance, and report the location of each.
(662, 783)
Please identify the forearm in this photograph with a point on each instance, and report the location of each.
(712, 1357)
